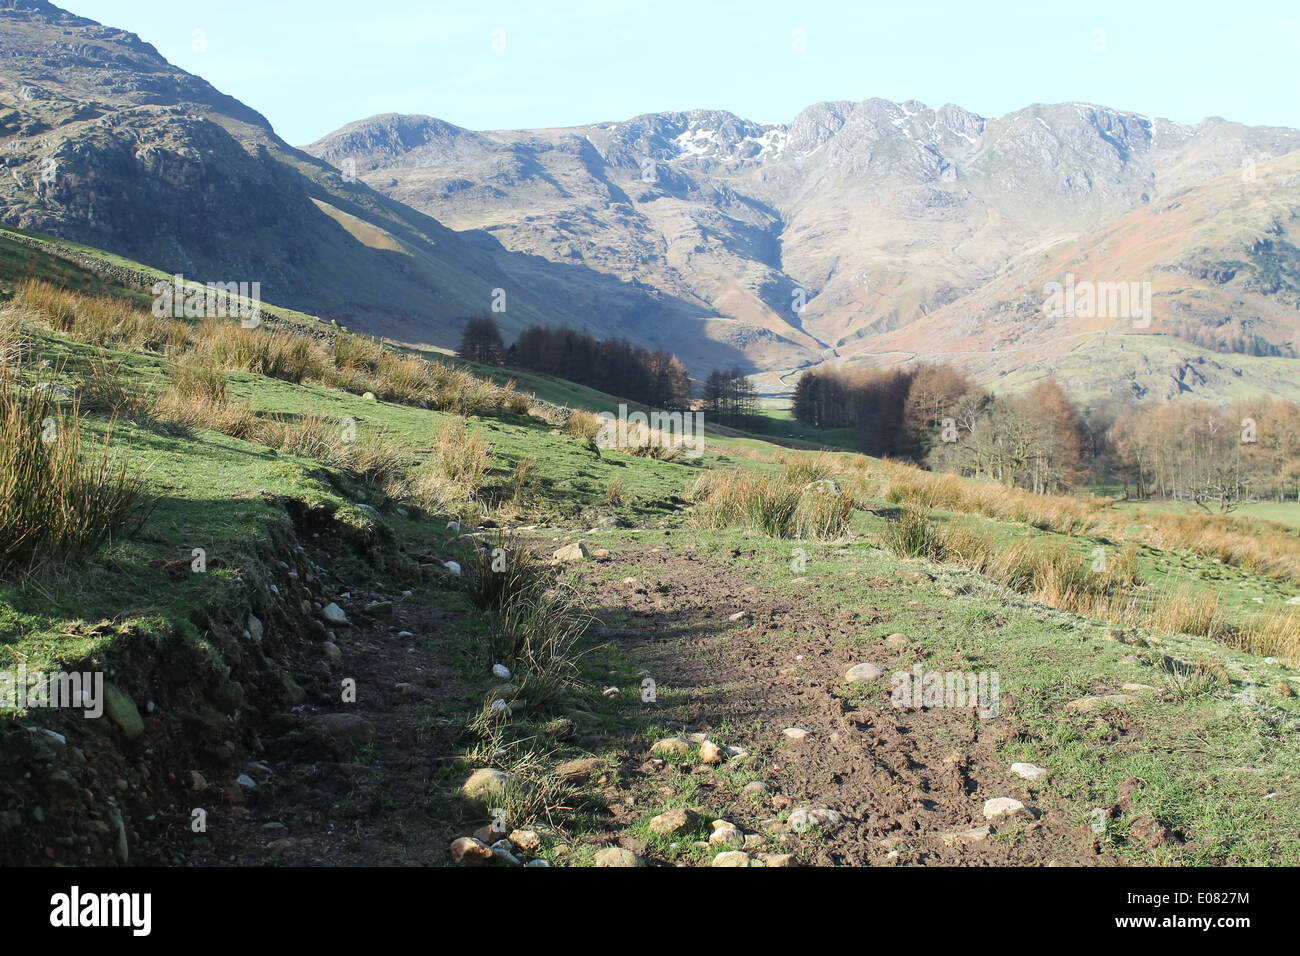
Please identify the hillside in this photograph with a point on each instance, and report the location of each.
(103, 140)
(897, 228)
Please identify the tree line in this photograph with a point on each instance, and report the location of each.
(1039, 440)
(649, 377)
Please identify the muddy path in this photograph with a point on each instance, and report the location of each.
(354, 781)
(908, 782)
(374, 781)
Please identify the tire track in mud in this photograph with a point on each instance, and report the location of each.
(902, 778)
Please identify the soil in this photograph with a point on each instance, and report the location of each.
(900, 778)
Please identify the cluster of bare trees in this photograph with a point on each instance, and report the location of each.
(936, 414)
(1038, 440)
(1205, 453)
(1035, 440)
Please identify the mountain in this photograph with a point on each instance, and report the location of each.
(861, 233)
(892, 224)
(103, 142)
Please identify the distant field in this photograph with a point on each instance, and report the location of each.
(1287, 513)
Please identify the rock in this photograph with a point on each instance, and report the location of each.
(805, 818)
(1000, 808)
(501, 854)
(122, 711)
(731, 858)
(245, 781)
(754, 788)
(1029, 771)
(501, 671)
(710, 753)
(727, 835)
(617, 856)
(823, 486)
(671, 747)
(334, 614)
(346, 729)
(582, 767)
(1094, 703)
(369, 511)
(453, 567)
(198, 783)
(898, 640)
(1139, 688)
(738, 616)
(255, 629)
(293, 692)
(470, 852)
(527, 840)
(577, 551)
(675, 822)
(332, 651)
(485, 785)
(863, 672)
(795, 733)
(967, 837)
(368, 397)
(776, 859)
(913, 577)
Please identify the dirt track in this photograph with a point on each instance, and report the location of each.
(901, 778)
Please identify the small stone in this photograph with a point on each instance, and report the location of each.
(805, 818)
(121, 710)
(334, 614)
(863, 672)
(501, 854)
(1029, 771)
(754, 788)
(739, 615)
(582, 767)
(795, 733)
(967, 837)
(527, 840)
(1001, 807)
(617, 856)
(501, 671)
(453, 567)
(468, 851)
(731, 858)
(674, 822)
(710, 753)
(898, 640)
(332, 651)
(255, 629)
(198, 783)
(577, 551)
(727, 835)
(671, 747)
(776, 859)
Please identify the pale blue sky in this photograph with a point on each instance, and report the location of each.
(312, 65)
